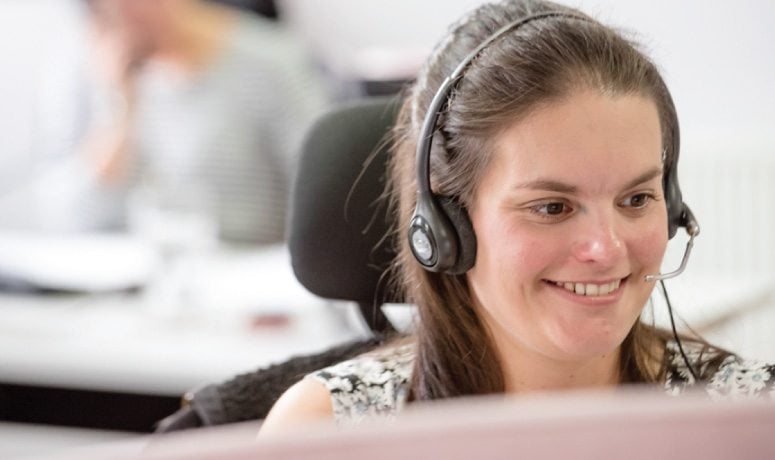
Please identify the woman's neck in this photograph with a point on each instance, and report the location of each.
(542, 374)
(526, 370)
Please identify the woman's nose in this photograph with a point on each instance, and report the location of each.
(599, 240)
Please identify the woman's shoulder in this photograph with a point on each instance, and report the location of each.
(305, 402)
(371, 385)
(724, 375)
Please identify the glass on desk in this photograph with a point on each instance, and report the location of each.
(179, 220)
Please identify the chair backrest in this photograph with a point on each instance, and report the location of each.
(339, 242)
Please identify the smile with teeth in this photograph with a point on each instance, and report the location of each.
(589, 289)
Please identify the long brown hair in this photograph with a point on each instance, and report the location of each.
(543, 61)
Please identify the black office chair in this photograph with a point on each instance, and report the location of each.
(339, 242)
(265, 8)
(340, 249)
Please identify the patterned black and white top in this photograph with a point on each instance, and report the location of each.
(376, 384)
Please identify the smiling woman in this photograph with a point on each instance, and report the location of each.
(569, 219)
(534, 180)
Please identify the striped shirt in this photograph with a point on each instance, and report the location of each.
(234, 129)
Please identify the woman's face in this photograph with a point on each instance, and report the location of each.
(569, 217)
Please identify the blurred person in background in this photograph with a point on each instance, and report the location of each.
(198, 101)
(202, 95)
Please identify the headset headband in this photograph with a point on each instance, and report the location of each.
(445, 89)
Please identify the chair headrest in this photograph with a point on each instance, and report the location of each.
(339, 223)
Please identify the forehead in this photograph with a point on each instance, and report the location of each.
(587, 138)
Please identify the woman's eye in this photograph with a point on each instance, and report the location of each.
(553, 209)
(637, 201)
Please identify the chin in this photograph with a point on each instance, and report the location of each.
(590, 344)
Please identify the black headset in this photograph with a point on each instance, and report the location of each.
(441, 236)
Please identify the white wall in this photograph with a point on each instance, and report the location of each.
(718, 58)
(41, 45)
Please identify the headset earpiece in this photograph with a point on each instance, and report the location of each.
(674, 203)
(441, 236)
(466, 243)
(431, 236)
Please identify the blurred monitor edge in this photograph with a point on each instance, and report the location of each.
(635, 425)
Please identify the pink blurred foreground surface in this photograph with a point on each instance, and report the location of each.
(580, 426)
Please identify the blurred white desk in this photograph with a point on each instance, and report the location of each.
(249, 312)
(82, 359)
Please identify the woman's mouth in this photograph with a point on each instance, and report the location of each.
(589, 289)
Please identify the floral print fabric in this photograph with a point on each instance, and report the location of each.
(371, 386)
(733, 378)
(376, 385)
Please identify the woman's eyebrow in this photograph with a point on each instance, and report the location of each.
(645, 177)
(561, 187)
(548, 185)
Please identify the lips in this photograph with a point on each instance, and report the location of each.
(589, 289)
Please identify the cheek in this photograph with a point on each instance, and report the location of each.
(513, 255)
(649, 244)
